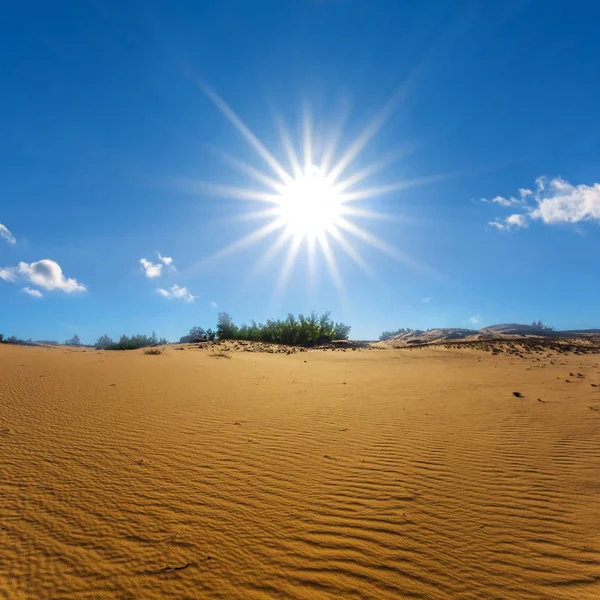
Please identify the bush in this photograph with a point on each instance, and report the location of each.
(539, 325)
(74, 341)
(197, 334)
(153, 351)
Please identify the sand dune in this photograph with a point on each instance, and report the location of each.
(338, 474)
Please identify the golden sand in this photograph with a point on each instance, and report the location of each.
(366, 474)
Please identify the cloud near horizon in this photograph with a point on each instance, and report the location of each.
(177, 293)
(44, 273)
(553, 202)
(7, 235)
(474, 320)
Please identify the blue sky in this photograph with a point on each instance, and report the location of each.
(110, 144)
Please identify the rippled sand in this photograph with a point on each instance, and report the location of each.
(358, 474)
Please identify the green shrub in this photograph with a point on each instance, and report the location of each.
(291, 331)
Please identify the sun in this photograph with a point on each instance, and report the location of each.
(309, 205)
(314, 202)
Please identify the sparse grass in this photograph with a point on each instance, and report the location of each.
(219, 353)
(153, 351)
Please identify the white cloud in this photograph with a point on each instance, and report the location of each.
(213, 304)
(44, 273)
(7, 235)
(47, 274)
(512, 201)
(504, 201)
(514, 221)
(553, 202)
(474, 320)
(33, 292)
(565, 203)
(151, 269)
(177, 293)
(8, 273)
(426, 300)
(166, 260)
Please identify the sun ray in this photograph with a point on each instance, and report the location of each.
(256, 174)
(359, 176)
(383, 190)
(246, 132)
(272, 252)
(250, 239)
(288, 147)
(257, 214)
(349, 250)
(312, 262)
(333, 140)
(375, 242)
(307, 129)
(226, 191)
(365, 213)
(286, 270)
(332, 266)
(365, 137)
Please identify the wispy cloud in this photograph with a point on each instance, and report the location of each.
(474, 320)
(33, 292)
(511, 201)
(177, 293)
(6, 235)
(514, 221)
(152, 270)
(426, 300)
(213, 304)
(166, 260)
(554, 201)
(45, 273)
(8, 273)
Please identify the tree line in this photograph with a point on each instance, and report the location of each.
(130, 343)
(292, 331)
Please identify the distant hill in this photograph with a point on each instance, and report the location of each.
(501, 331)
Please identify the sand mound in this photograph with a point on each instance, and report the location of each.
(317, 474)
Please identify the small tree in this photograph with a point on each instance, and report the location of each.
(342, 331)
(1, 337)
(74, 341)
(226, 329)
(104, 343)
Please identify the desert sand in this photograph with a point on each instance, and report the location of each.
(382, 473)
